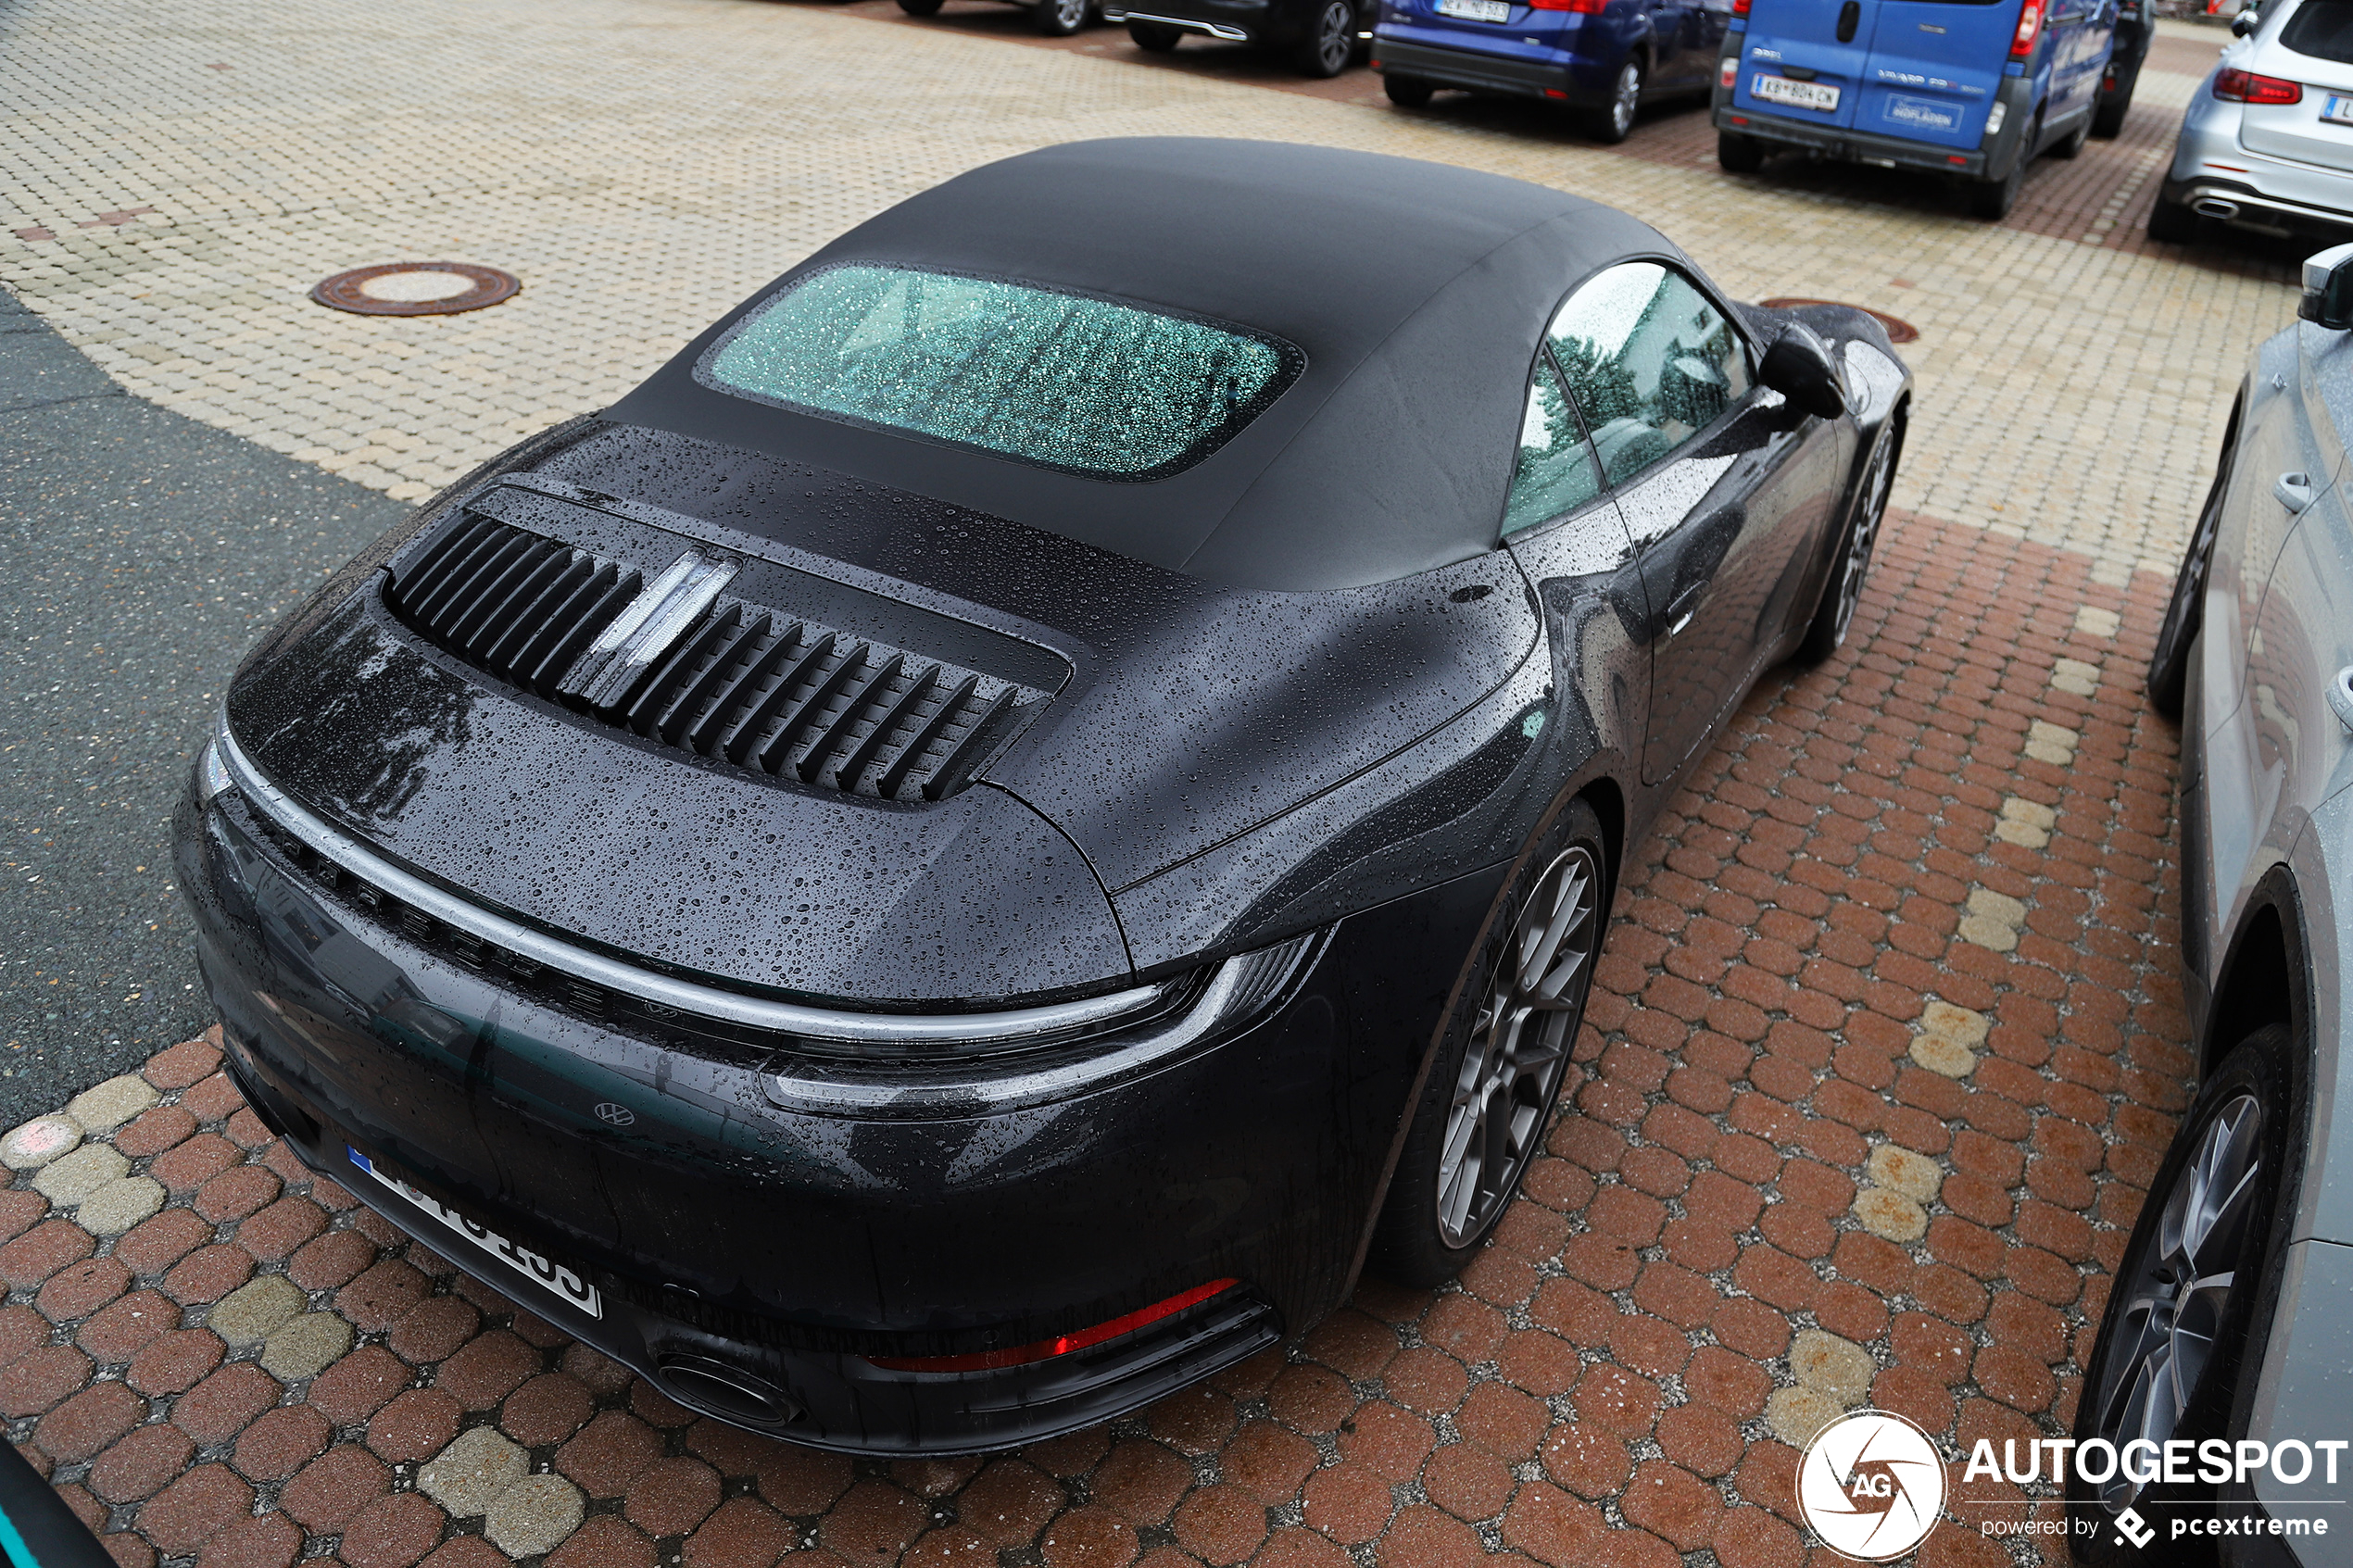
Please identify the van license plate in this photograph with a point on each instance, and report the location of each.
(1476, 10)
(2337, 110)
(1797, 95)
(573, 1291)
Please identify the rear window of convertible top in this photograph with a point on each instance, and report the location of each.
(1064, 381)
(2321, 29)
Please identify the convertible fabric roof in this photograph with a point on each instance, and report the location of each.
(1416, 291)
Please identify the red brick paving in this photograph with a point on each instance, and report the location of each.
(1594, 1391)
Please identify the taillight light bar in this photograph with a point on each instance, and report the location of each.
(2246, 87)
(1586, 7)
(2030, 28)
(1062, 1344)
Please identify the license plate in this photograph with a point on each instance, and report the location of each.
(2337, 111)
(1797, 95)
(554, 1278)
(1476, 10)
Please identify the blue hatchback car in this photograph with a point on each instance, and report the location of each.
(1604, 57)
(1970, 88)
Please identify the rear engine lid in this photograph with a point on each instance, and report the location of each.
(2312, 49)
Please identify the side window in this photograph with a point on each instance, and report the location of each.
(1651, 362)
(1555, 473)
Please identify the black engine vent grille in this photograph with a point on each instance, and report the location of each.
(740, 684)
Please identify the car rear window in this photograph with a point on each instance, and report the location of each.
(1064, 381)
(2322, 28)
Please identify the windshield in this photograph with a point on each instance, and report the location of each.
(2322, 30)
(1060, 380)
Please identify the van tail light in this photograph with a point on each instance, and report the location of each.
(1732, 71)
(2246, 87)
(2030, 28)
(1739, 7)
(1061, 1345)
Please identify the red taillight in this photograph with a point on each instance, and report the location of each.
(1061, 1345)
(2246, 87)
(2030, 28)
(1739, 7)
(1732, 71)
(1588, 8)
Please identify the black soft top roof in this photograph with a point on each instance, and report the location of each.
(1416, 291)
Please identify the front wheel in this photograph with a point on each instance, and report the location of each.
(1500, 1062)
(1828, 630)
(1407, 91)
(2074, 143)
(2174, 1338)
(2185, 611)
(1737, 154)
(919, 7)
(1156, 38)
(1060, 18)
(1330, 41)
(1613, 121)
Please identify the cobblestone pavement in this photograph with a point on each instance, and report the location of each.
(180, 174)
(1885, 1044)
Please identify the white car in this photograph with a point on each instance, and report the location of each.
(2268, 141)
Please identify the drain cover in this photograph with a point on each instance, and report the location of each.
(416, 288)
(1897, 330)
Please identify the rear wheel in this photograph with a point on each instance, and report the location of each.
(2177, 633)
(1613, 121)
(1845, 589)
(2172, 223)
(2116, 101)
(1330, 41)
(2174, 1337)
(1156, 38)
(1498, 1068)
(1738, 154)
(1992, 199)
(919, 7)
(1060, 18)
(1407, 91)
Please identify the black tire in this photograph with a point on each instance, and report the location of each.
(1060, 18)
(1156, 38)
(1407, 91)
(1992, 199)
(1330, 43)
(2172, 223)
(1736, 153)
(2245, 1107)
(2116, 101)
(919, 7)
(1496, 1125)
(2074, 143)
(1842, 589)
(2185, 612)
(1613, 121)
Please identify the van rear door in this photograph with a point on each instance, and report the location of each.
(1804, 60)
(1934, 69)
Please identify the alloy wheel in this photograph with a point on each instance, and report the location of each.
(1857, 562)
(1625, 99)
(1335, 37)
(2181, 1290)
(1519, 1046)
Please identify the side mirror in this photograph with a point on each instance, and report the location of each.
(2328, 288)
(1798, 366)
(2244, 23)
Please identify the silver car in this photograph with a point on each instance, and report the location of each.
(2229, 1316)
(2267, 143)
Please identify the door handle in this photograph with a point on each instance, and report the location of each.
(2293, 491)
(1682, 607)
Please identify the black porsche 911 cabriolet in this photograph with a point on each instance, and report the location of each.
(965, 855)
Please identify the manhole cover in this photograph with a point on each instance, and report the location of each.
(1897, 330)
(416, 288)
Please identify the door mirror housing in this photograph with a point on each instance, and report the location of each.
(1798, 366)
(2244, 23)
(2328, 288)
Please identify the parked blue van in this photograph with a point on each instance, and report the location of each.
(1602, 57)
(1970, 88)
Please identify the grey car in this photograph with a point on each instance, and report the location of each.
(2229, 1316)
(2267, 142)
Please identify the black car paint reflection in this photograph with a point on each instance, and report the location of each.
(1226, 781)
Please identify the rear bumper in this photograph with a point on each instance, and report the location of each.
(1477, 72)
(735, 1236)
(1845, 146)
(2252, 190)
